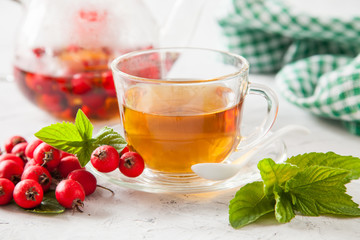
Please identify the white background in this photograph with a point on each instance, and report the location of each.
(137, 215)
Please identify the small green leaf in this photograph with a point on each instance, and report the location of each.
(283, 208)
(84, 152)
(305, 205)
(249, 204)
(328, 159)
(321, 190)
(59, 134)
(83, 125)
(49, 205)
(107, 136)
(275, 174)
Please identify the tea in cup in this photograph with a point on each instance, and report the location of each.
(183, 106)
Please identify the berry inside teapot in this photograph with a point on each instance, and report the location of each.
(64, 49)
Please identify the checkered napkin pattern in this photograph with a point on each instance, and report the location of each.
(326, 85)
(315, 58)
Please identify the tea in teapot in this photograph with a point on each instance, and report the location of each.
(64, 49)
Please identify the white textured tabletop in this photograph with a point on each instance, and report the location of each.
(131, 214)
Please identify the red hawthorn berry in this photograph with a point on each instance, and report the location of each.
(105, 158)
(67, 165)
(28, 193)
(30, 162)
(108, 83)
(12, 141)
(11, 156)
(70, 194)
(94, 100)
(40, 83)
(131, 164)
(39, 174)
(11, 170)
(66, 154)
(87, 111)
(6, 191)
(85, 178)
(81, 82)
(30, 148)
(126, 149)
(19, 150)
(53, 102)
(47, 156)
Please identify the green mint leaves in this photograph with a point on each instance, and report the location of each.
(77, 138)
(328, 159)
(321, 190)
(249, 204)
(311, 184)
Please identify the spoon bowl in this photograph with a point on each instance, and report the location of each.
(223, 171)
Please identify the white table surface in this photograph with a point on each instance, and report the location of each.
(131, 214)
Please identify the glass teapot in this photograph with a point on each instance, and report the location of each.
(64, 48)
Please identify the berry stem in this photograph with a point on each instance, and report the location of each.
(2, 192)
(43, 179)
(77, 205)
(106, 189)
(48, 156)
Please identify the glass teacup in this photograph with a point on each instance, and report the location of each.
(183, 106)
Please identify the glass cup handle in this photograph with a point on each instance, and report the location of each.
(272, 110)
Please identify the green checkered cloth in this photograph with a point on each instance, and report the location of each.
(315, 58)
(326, 85)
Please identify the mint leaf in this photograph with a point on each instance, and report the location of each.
(83, 125)
(320, 190)
(84, 150)
(275, 174)
(316, 185)
(71, 138)
(59, 132)
(283, 208)
(107, 136)
(63, 136)
(249, 204)
(328, 159)
(77, 138)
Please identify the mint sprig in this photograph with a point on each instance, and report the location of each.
(77, 138)
(311, 184)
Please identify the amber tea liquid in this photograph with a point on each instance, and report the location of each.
(174, 127)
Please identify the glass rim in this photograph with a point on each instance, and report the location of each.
(241, 71)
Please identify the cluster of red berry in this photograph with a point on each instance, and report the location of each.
(106, 159)
(86, 81)
(93, 92)
(28, 170)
